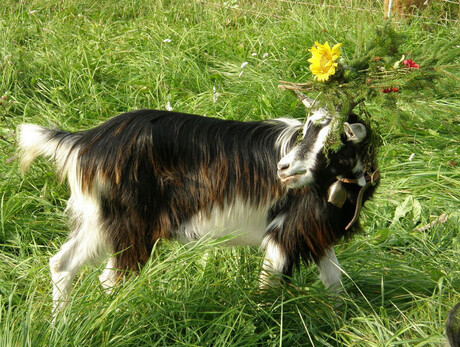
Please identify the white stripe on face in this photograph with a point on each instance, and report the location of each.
(319, 117)
(297, 172)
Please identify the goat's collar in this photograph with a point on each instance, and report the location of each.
(337, 194)
(362, 180)
(352, 180)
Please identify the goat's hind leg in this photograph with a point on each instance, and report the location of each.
(86, 245)
(63, 269)
(109, 276)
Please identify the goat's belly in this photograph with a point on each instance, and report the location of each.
(243, 223)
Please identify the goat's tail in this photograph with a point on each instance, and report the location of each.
(35, 140)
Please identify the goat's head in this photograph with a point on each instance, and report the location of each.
(306, 164)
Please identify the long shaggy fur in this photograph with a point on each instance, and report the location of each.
(146, 175)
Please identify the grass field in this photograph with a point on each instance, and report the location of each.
(77, 63)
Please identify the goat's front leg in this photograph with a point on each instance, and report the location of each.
(330, 272)
(275, 264)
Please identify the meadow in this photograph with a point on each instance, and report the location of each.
(74, 64)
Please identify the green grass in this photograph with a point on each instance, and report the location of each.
(78, 63)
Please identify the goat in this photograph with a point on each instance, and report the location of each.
(146, 175)
(401, 8)
(453, 327)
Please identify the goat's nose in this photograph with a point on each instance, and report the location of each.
(283, 166)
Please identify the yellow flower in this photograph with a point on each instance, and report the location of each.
(323, 60)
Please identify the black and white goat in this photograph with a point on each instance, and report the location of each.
(147, 175)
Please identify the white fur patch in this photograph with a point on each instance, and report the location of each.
(274, 258)
(242, 219)
(108, 278)
(273, 264)
(34, 140)
(330, 272)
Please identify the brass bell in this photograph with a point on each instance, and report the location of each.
(337, 194)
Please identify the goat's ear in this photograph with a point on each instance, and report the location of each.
(308, 102)
(355, 132)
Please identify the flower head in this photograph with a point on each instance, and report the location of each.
(410, 63)
(390, 90)
(323, 60)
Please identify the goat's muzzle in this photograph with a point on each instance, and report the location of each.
(286, 173)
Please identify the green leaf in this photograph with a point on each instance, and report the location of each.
(403, 209)
(416, 211)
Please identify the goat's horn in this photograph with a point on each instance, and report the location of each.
(308, 102)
